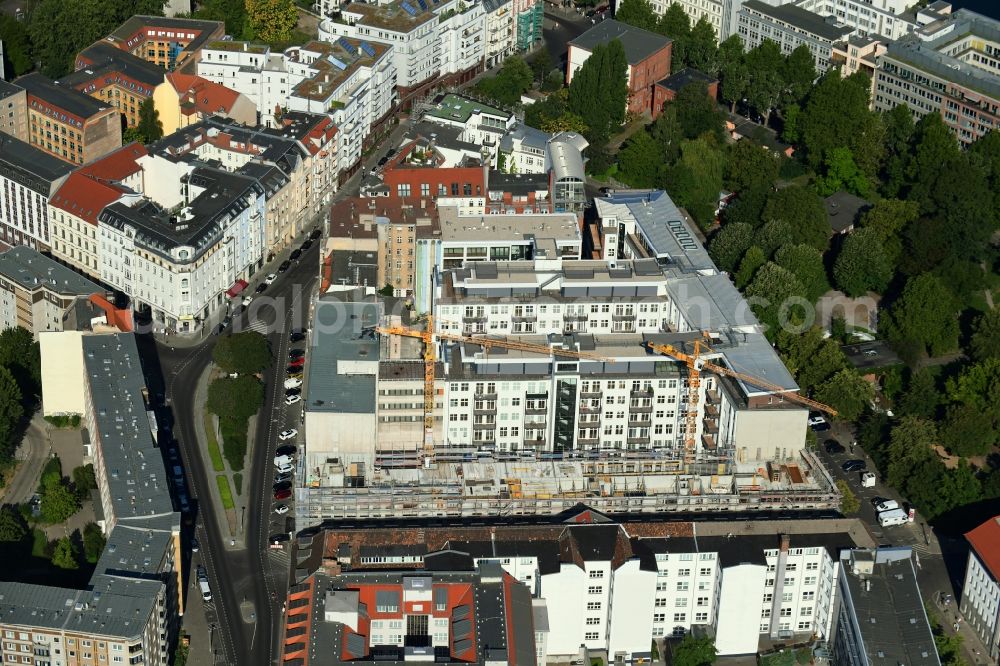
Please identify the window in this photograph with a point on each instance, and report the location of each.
(704, 571)
(591, 636)
(592, 621)
(595, 589)
(812, 566)
(806, 610)
(701, 617)
(702, 601)
(786, 612)
(597, 574)
(593, 605)
(403, 189)
(680, 602)
(680, 617)
(659, 617)
(660, 603)
(682, 586)
(808, 596)
(683, 572)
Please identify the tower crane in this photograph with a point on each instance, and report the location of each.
(696, 364)
(429, 338)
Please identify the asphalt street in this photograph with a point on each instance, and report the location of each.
(248, 583)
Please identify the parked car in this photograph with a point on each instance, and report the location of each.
(296, 353)
(292, 391)
(886, 505)
(854, 465)
(194, 545)
(282, 460)
(284, 485)
(261, 288)
(281, 509)
(270, 278)
(291, 433)
(284, 266)
(293, 382)
(202, 574)
(297, 362)
(292, 399)
(299, 331)
(315, 233)
(306, 244)
(294, 370)
(282, 494)
(878, 500)
(247, 300)
(833, 446)
(297, 337)
(868, 480)
(282, 476)
(296, 253)
(893, 517)
(286, 450)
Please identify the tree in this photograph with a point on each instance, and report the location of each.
(777, 298)
(985, 341)
(921, 397)
(888, 217)
(64, 554)
(599, 90)
(512, 81)
(810, 357)
(803, 210)
(696, 179)
(748, 164)
(910, 444)
(849, 503)
(16, 45)
(640, 161)
(798, 73)
(923, 319)
(806, 264)
(84, 480)
(272, 21)
(700, 48)
(666, 130)
(968, 431)
(934, 150)
(232, 12)
(149, 127)
(58, 503)
(244, 353)
(553, 106)
(12, 527)
(749, 265)
(733, 72)
(674, 23)
(19, 354)
(11, 412)
(567, 122)
(847, 392)
(638, 13)
(836, 115)
(841, 173)
(978, 385)
(765, 64)
(729, 245)
(694, 651)
(748, 208)
(93, 543)
(898, 132)
(697, 112)
(861, 265)
(237, 398)
(541, 65)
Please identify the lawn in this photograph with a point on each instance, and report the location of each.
(213, 445)
(39, 544)
(225, 492)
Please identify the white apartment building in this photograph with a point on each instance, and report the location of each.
(28, 179)
(872, 18)
(615, 587)
(500, 31)
(981, 588)
(718, 13)
(177, 266)
(264, 77)
(411, 29)
(463, 38)
(791, 26)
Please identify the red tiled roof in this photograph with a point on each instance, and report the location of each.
(117, 165)
(199, 95)
(83, 197)
(985, 540)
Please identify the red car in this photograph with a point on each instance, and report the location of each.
(282, 494)
(298, 361)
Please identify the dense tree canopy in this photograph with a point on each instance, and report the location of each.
(512, 81)
(245, 353)
(236, 398)
(924, 318)
(599, 90)
(862, 264)
(803, 210)
(271, 21)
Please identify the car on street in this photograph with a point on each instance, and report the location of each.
(306, 244)
(292, 399)
(291, 433)
(886, 505)
(281, 509)
(286, 450)
(247, 300)
(293, 391)
(315, 233)
(816, 419)
(227, 320)
(298, 331)
(878, 500)
(293, 382)
(854, 465)
(282, 476)
(283, 485)
(296, 253)
(282, 460)
(296, 353)
(286, 469)
(271, 278)
(284, 266)
(833, 446)
(297, 362)
(194, 545)
(202, 574)
(261, 288)
(383, 161)
(294, 370)
(821, 427)
(276, 539)
(282, 494)
(297, 337)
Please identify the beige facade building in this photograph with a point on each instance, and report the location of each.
(13, 111)
(184, 99)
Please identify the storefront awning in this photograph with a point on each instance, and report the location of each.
(237, 287)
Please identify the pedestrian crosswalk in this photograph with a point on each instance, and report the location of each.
(255, 325)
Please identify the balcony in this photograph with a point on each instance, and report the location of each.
(642, 393)
(488, 407)
(588, 441)
(639, 420)
(623, 316)
(473, 318)
(711, 411)
(638, 440)
(531, 438)
(591, 393)
(575, 316)
(484, 426)
(524, 317)
(590, 409)
(711, 426)
(712, 396)
(641, 409)
(708, 441)
(536, 410)
(486, 395)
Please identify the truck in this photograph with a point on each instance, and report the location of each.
(206, 591)
(892, 517)
(867, 479)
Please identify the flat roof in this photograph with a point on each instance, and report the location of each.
(459, 108)
(392, 16)
(889, 609)
(335, 63)
(684, 77)
(135, 24)
(30, 166)
(639, 44)
(32, 270)
(8, 89)
(105, 58)
(802, 19)
(64, 97)
(137, 477)
(470, 228)
(342, 344)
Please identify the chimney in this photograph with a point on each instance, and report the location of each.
(246, 47)
(785, 542)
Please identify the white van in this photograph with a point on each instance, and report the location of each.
(887, 505)
(281, 461)
(893, 517)
(206, 591)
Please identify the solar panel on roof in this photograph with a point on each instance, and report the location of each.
(408, 8)
(355, 645)
(423, 5)
(462, 629)
(460, 612)
(344, 44)
(462, 645)
(367, 48)
(336, 63)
